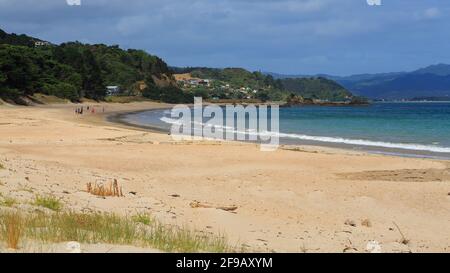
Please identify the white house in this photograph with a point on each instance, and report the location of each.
(41, 43)
(112, 90)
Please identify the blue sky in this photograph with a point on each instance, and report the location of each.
(338, 37)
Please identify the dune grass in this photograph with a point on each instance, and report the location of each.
(49, 202)
(7, 201)
(143, 231)
(143, 219)
(11, 228)
(1, 166)
(48, 99)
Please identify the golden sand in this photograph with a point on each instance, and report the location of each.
(293, 200)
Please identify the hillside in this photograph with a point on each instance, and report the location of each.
(74, 70)
(238, 83)
(20, 40)
(316, 88)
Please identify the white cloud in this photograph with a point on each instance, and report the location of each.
(304, 6)
(432, 13)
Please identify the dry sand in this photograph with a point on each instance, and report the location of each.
(308, 199)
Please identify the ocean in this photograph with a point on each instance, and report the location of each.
(419, 129)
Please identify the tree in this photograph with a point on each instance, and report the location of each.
(202, 92)
(263, 96)
(18, 69)
(93, 84)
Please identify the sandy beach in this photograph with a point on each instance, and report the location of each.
(296, 199)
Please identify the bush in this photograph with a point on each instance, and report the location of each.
(62, 90)
(201, 92)
(169, 94)
(10, 93)
(172, 94)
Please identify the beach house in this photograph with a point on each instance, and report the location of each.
(112, 90)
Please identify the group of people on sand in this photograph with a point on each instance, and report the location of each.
(91, 109)
(79, 110)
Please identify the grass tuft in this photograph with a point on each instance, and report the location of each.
(143, 219)
(50, 202)
(8, 202)
(11, 229)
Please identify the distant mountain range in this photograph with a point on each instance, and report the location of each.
(432, 82)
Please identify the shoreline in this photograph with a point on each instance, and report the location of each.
(296, 199)
(369, 149)
(117, 118)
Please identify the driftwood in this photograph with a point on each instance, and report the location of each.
(197, 204)
(404, 240)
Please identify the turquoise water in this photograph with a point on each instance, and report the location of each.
(420, 127)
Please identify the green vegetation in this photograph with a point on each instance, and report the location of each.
(105, 228)
(49, 202)
(238, 77)
(170, 94)
(142, 218)
(316, 88)
(7, 202)
(240, 84)
(234, 84)
(47, 99)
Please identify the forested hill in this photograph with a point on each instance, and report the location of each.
(74, 70)
(317, 88)
(270, 88)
